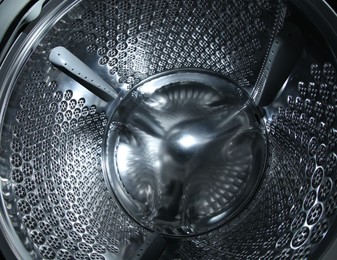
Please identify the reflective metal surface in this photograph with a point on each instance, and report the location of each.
(185, 151)
(171, 168)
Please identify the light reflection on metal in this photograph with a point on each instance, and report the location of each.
(185, 152)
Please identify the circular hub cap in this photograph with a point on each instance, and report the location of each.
(185, 151)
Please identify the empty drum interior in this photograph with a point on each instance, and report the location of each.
(169, 130)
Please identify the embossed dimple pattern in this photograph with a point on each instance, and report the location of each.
(311, 128)
(56, 177)
(58, 201)
(296, 205)
(136, 39)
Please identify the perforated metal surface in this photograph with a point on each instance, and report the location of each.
(296, 205)
(59, 192)
(53, 190)
(136, 39)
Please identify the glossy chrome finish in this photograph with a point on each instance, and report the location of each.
(73, 66)
(178, 150)
(185, 152)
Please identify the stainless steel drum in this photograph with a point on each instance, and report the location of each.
(168, 129)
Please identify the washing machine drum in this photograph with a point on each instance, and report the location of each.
(168, 129)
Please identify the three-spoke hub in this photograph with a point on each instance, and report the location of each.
(185, 152)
